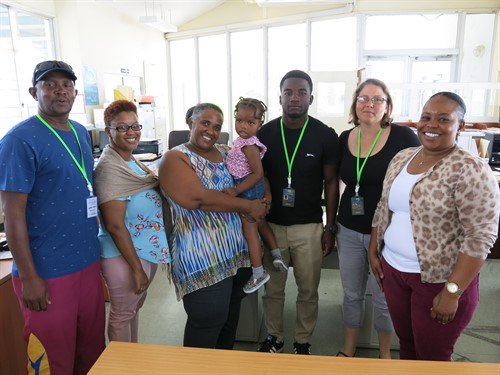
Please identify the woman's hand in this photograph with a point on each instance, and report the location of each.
(376, 267)
(374, 259)
(230, 191)
(257, 209)
(141, 281)
(444, 307)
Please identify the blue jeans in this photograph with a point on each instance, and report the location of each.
(255, 192)
(354, 274)
(213, 312)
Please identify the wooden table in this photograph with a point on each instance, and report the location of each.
(13, 357)
(125, 358)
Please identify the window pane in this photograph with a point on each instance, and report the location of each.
(330, 97)
(10, 108)
(35, 39)
(213, 72)
(333, 45)
(387, 71)
(477, 107)
(397, 102)
(431, 71)
(247, 66)
(182, 60)
(286, 51)
(411, 31)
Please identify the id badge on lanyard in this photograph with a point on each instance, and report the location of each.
(91, 201)
(357, 206)
(288, 199)
(288, 196)
(357, 201)
(91, 205)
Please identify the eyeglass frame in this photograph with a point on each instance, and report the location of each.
(376, 100)
(126, 127)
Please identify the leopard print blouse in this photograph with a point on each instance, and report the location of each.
(454, 207)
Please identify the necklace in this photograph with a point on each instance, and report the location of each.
(423, 161)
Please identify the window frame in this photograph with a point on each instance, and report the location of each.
(409, 56)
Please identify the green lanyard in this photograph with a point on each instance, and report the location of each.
(288, 161)
(81, 165)
(358, 169)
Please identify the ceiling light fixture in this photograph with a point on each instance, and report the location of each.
(159, 23)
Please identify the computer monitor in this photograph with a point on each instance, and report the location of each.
(103, 139)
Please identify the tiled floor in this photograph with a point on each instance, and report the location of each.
(162, 318)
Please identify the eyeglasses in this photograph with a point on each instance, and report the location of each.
(376, 100)
(124, 128)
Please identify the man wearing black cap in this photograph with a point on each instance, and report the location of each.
(50, 220)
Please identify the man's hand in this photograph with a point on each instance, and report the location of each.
(327, 242)
(35, 294)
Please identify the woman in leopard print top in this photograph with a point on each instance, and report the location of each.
(434, 225)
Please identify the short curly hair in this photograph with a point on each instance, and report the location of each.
(257, 105)
(117, 107)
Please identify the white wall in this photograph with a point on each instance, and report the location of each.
(107, 40)
(91, 33)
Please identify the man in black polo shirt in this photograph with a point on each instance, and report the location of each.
(300, 163)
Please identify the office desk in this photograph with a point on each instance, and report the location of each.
(13, 358)
(125, 358)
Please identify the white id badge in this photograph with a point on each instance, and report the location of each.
(91, 207)
(288, 199)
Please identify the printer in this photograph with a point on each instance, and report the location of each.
(154, 146)
(493, 147)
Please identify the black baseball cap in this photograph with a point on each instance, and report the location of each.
(45, 67)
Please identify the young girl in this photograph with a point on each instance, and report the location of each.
(244, 164)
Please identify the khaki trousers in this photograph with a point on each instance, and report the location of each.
(301, 248)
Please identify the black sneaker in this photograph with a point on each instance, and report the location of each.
(271, 345)
(301, 348)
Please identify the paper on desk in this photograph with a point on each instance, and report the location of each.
(5, 255)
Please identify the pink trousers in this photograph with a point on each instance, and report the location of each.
(125, 304)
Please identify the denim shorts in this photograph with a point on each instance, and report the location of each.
(255, 192)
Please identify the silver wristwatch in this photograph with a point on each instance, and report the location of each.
(453, 288)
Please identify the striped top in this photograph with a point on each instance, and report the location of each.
(207, 246)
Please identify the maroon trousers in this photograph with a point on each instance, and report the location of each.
(70, 334)
(410, 302)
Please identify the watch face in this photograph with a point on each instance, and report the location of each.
(452, 287)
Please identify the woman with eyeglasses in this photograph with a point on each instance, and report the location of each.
(433, 228)
(132, 231)
(365, 153)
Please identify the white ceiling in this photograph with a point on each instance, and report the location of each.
(177, 12)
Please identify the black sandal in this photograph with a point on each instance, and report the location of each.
(340, 353)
